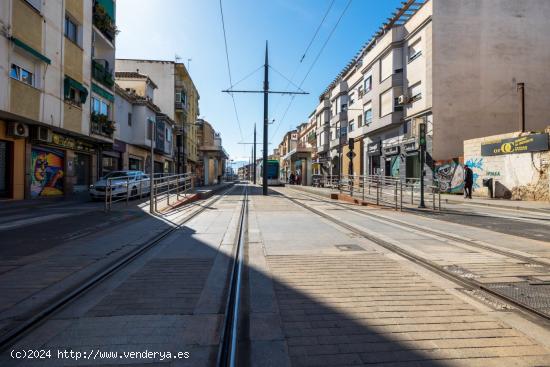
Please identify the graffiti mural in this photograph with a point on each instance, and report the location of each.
(476, 165)
(47, 167)
(450, 175)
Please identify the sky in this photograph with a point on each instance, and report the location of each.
(192, 29)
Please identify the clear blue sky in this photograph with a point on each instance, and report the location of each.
(192, 29)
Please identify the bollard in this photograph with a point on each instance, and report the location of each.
(395, 195)
(363, 188)
(433, 197)
(412, 193)
(377, 193)
(439, 195)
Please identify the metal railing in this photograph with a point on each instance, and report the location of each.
(384, 190)
(160, 188)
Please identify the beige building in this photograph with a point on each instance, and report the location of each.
(454, 65)
(56, 95)
(212, 157)
(176, 96)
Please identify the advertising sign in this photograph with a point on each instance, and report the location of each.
(522, 144)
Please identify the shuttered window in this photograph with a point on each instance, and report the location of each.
(386, 103)
(386, 66)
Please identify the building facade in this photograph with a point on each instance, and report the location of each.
(418, 68)
(212, 155)
(56, 95)
(178, 98)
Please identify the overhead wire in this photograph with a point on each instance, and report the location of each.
(229, 71)
(314, 62)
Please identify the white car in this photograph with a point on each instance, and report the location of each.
(121, 183)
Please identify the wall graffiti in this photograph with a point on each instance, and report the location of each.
(450, 175)
(47, 171)
(476, 165)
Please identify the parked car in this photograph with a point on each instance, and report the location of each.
(121, 182)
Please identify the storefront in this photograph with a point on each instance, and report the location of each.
(112, 160)
(374, 152)
(62, 167)
(6, 148)
(392, 160)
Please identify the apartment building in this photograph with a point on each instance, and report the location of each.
(286, 148)
(178, 97)
(56, 95)
(141, 124)
(454, 65)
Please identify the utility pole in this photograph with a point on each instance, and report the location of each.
(266, 93)
(521, 96)
(254, 155)
(422, 144)
(151, 178)
(266, 122)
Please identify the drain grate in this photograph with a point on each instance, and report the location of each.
(535, 296)
(349, 248)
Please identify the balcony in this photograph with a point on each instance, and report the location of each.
(101, 125)
(102, 73)
(323, 147)
(104, 21)
(341, 116)
(334, 143)
(312, 137)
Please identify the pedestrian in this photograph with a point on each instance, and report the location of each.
(292, 178)
(468, 182)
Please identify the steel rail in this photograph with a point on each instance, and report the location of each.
(227, 351)
(432, 232)
(24, 328)
(467, 283)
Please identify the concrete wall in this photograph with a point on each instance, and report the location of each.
(481, 49)
(522, 176)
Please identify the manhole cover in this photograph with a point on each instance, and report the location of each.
(535, 296)
(349, 248)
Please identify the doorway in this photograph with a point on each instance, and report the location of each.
(81, 165)
(5, 169)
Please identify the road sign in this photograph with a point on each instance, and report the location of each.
(351, 154)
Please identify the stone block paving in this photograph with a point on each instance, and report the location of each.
(366, 309)
(166, 286)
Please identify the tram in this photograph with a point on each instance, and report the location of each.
(272, 173)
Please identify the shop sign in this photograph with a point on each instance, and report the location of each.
(391, 150)
(323, 159)
(374, 148)
(522, 144)
(71, 143)
(410, 147)
(119, 146)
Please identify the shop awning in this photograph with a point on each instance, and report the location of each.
(29, 49)
(102, 92)
(71, 83)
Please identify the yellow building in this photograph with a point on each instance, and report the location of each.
(55, 100)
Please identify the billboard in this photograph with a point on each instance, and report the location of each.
(522, 144)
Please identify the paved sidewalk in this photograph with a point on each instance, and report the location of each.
(332, 298)
(542, 206)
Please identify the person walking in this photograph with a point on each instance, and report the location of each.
(292, 178)
(468, 181)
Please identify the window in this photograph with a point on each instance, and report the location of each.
(415, 91)
(396, 105)
(386, 66)
(368, 113)
(351, 98)
(337, 131)
(359, 120)
(129, 119)
(367, 83)
(351, 126)
(99, 107)
(414, 50)
(386, 103)
(23, 75)
(343, 131)
(71, 29)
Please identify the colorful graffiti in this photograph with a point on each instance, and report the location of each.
(47, 167)
(476, 165)
(450, 175)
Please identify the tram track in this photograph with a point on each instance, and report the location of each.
(46, 311)
(466, 283)
(465, 241)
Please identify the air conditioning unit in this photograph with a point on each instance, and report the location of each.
(402, 99)
(18, 130)
(42, 133)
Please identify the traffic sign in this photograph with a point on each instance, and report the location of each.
(351, 154)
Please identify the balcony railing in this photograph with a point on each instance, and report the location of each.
(101, 125)
(102, 73)
(104, 22)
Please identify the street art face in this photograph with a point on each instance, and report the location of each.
(450, 175)
(476, 165)
(46, 172)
